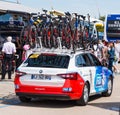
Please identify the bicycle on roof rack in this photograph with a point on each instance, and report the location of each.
(29, 35)
(66, 32)
(48, 30)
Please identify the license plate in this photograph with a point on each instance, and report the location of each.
(40, 77)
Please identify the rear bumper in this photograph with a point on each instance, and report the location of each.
(45, 96)
(71, 90)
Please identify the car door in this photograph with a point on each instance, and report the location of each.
(97, 74)
(84, 65)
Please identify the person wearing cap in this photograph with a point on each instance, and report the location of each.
(8, 51)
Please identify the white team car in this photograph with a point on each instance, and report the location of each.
(63, 76)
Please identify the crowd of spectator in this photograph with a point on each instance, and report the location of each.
(108, 53)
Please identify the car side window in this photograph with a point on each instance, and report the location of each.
(82, 60)
(95, 61)
(87, 60)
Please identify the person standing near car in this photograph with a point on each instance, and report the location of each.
(117, 50)
(19, 51)
(111, 55)
(8, 52)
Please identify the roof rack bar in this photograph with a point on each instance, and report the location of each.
(59, 42)
(39, 43)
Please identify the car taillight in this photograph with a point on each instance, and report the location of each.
(72, 76)
(19, 73)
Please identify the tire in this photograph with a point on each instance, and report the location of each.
(24, 99)
(110, 88)
(85, 96)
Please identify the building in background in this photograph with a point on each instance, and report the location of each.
(13, 17)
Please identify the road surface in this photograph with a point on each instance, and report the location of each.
(10, 104)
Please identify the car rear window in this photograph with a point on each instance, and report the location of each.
(47, 60)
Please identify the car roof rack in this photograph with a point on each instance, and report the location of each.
(60, 50)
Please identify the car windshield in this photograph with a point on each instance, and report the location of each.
(47, 60)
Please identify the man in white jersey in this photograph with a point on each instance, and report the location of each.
(8, 52)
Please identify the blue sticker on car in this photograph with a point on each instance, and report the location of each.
(101, 79)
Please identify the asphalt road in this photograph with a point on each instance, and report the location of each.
(10, 104)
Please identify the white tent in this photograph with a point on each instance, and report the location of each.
(10, 6)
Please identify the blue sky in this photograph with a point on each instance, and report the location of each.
(93, 7)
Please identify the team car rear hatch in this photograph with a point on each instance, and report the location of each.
(45, 70)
